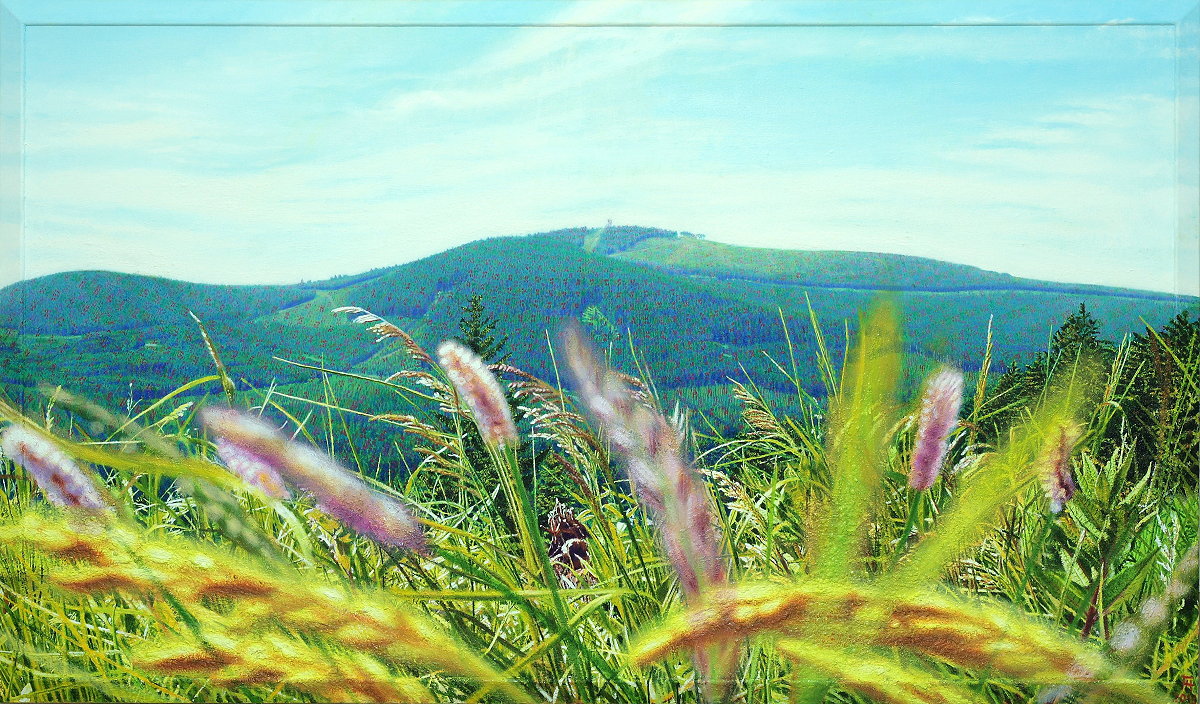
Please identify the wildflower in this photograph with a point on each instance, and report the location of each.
(1055, 466)
(478, 387)
(337, 491)
(939, 413)
(60, 478)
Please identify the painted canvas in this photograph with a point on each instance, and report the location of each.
(605, 352)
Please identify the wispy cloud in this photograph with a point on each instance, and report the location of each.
(239, 154)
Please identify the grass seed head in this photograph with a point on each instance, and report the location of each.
(385, 330)
(229, 660)
(939, 413)
(59, 477)
(1054, 465)
(252, 469)
(87, 543)
(337, 491)
(477, 386)
(665, 483)
(654, 460)
(968, 634)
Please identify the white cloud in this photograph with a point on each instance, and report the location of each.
(200, 177)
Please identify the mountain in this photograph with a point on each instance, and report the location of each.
(699, 311)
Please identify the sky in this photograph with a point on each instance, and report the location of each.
(267, 154)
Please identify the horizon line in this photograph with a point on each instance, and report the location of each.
(1059, 285)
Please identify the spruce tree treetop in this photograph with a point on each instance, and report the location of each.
(478, 331)
(1080, 333)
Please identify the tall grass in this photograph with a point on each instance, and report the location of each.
(797, 561)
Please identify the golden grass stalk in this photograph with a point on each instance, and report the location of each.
(61, 480)
(971, 634)
(337, 491)
(196, 575)
(477, 386)
(882, 678)
(230, 659)
(860, 415)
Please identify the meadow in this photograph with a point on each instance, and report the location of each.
(571, 536)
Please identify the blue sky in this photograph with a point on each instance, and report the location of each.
(275, 154)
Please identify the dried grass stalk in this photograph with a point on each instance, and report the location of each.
(385, 330)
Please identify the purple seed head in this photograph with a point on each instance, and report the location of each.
(939, 413)
(251, 468)
(666, 484)
(337, 491)
(478, 387)
(1055, 466)
(60, 478)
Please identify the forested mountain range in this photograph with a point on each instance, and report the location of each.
(700, 312)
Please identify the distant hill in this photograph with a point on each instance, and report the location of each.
(700, 311)
(690, 254)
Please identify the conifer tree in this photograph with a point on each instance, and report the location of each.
(478, 331)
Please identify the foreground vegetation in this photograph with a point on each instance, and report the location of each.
(1031, 540)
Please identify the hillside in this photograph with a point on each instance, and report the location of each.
(700, 311)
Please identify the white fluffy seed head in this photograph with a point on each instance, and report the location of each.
(1154, 611)
(477, 386)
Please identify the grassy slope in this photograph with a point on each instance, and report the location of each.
(841, 269)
